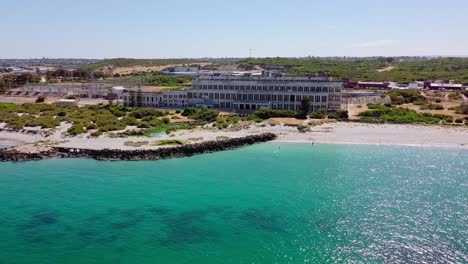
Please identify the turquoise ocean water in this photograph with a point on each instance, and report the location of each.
(269, 203)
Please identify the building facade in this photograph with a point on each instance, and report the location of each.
(166, 99)
(249, 93)
(255, 93)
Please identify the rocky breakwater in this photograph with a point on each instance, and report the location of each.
(147, 154)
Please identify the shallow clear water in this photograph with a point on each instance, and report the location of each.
(270, 203)
(158, 134)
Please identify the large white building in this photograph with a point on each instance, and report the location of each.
(248, 93)
(166, 99)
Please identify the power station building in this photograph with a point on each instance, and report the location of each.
(249, 93)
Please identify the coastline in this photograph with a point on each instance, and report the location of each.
(327, 133)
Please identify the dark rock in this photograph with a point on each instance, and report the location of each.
(153, 154)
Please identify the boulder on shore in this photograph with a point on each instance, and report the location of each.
(151, 154)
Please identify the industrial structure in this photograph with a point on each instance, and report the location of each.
(246, 94)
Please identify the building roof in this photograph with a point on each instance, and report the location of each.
(446, 85)
(376, 83)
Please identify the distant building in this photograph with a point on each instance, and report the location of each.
(366, 85)
(442, 86)
(67, 102)
(416, 85)
(183, 69)
(117, 92)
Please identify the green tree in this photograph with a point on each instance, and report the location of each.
(305, 108)
(139, 98)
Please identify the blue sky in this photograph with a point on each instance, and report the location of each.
(209, 28)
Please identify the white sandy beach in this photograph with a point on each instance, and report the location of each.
(330, 133)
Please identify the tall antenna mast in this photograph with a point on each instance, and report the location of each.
(250, 53)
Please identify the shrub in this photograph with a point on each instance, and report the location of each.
(178, 111)
(166, 120)
(319, 114)
(271, 113)
(144, 125)
(303, 128)
(40, 99)
(156, 122)
(405, 96)
(76, 129)
(170, 142)
(338, 115)
(47, 122)
(130, 121)
(432, 107)
(136, 144)
(402, 115)
(438, 101)
(90, 126)
(205, 114)
(139, 113)
(96, 134)
(342, 114)
(458, 120)
(189, 111)
(314, 123)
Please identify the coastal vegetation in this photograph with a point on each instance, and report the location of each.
(128, 62)
(10, 81)
(83, 119)
(150, 79)
(399, 115)
(400, 97)
(203, 114)
(271, 113)
(455, 69)
(170, 142)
